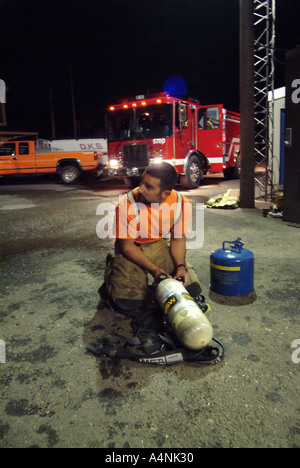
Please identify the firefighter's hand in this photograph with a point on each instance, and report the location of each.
(182, 273)
(157, 272)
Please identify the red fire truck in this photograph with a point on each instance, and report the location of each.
(194, 138)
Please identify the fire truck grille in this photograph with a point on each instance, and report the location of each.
(135, 155)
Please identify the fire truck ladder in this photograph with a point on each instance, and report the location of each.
(264, 71)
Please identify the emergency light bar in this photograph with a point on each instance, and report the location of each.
(142, 101)
(134, 104)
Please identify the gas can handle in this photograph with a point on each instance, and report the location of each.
(237, 244)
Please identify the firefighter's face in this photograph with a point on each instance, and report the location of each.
(150, 190)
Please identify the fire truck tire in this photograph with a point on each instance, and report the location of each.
(237, 168)
(69, 174)
(233, 172)
(229, 173)
(193, 174)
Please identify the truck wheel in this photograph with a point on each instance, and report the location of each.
(237, 169)
(69, 174)
(229, 173)
(193, 174)
(233, 172)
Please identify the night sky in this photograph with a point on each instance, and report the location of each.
(121, 48)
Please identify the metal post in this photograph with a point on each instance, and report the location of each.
(247, 104)
(264, 71)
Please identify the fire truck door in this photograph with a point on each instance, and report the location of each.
(185, 121)
(210, 135)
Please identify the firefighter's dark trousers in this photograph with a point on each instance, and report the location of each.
(127, 284)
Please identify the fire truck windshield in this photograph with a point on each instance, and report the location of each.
(153, 121)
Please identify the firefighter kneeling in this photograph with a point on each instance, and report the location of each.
(140, 250)
(145, 218)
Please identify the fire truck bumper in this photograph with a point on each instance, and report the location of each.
(123, 172)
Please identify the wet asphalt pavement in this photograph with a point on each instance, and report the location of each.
(56, 394)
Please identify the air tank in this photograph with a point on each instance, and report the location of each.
(187, 320)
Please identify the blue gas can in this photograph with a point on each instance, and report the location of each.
(232, 269)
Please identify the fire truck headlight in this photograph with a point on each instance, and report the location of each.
(157, 159)
(114, 163)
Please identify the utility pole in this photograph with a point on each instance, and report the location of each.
(73, 101)
(247, 104)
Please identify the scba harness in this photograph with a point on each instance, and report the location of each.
(163, 347)
(118, 349)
